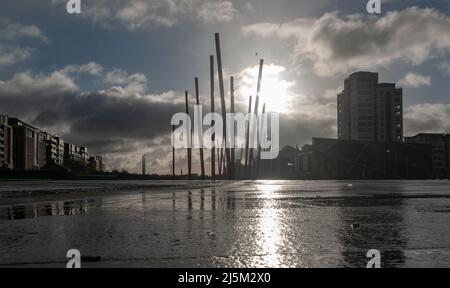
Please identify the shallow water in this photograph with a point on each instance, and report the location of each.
(233, 224)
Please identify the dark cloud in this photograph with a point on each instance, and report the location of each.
(301, 129)
(105, 120)
(99, 115)
(27, 94)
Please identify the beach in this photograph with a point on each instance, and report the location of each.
(225, 224)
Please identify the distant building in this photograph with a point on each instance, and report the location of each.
(55, 149)
(350, 159)
(96, 164)
(368, 110)
(76, 153)
(440, 149)
(283, 167)
(29, 146)
(84, 154)
(6, 143)
(24, 147)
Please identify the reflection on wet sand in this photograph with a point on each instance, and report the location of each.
(62, 208)
(366, 224)
(245, 224)
(269, 228)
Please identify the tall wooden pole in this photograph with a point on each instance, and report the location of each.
(220, 159)
(258, 158)
(258, 90)
(238, 172)
(233, 137)
(246, 144)
(173, 153)
(143, 165)
(213, 137)
(202, 160)
(222, 97)
(189, 149)
(247, 140)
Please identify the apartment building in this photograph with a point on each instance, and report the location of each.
(77, 153)
(29, 146)
(368, 110)
(55, 149)
(6, 144)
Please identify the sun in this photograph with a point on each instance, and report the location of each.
(274, 90)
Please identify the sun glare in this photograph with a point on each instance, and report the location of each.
(274, 90)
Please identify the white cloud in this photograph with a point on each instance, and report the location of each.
(90, 68)
(140, 13)
(123, 84)
(12, 31)
(133, 84)
(11, 52)
(413, 80)
(338, 44)
(25, 83)
(249, 7)
(120, 76)
(137, 14)
(427, 118)
(210, 12)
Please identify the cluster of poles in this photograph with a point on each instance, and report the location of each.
(225, 158)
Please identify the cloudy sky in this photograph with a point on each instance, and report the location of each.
(111, 77)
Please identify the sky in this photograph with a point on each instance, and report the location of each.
(111, 77)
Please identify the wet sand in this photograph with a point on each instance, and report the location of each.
(225, 224)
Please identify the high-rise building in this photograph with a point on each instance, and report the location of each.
(6, 143)
(29, 152)
(368, 110)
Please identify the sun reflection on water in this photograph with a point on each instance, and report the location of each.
(269, 242)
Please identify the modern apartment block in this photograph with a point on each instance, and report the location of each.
(29, 146)
(55, 149)
(77, 153)
(96, 164)
(6, 143)
(440, 150)
(368, 110)
(24, 147)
